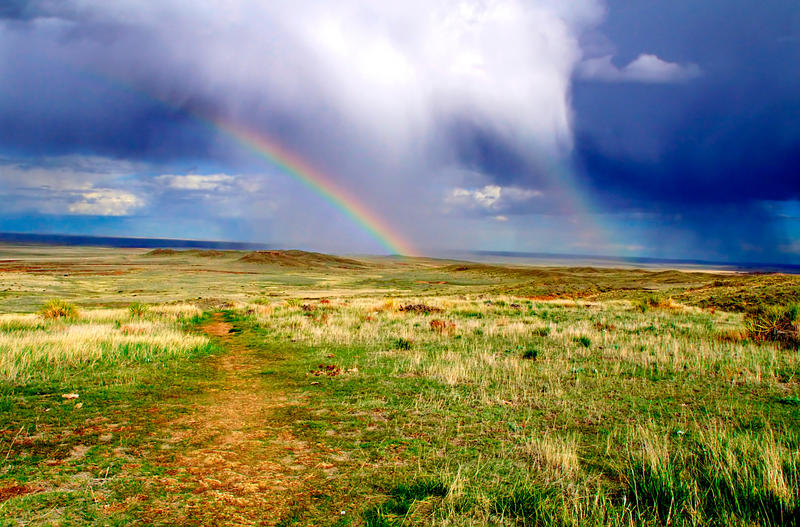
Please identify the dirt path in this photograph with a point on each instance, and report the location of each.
(243, 466)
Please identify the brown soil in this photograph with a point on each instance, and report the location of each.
(241, 464)
(12, 491)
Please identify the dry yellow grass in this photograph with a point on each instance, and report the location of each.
(36, 348)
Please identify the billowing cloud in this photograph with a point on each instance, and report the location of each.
(105, 202)
(71, 185)
(490, 198)
(383, 98)
(196, 181)
(430, 113)
(646, 68)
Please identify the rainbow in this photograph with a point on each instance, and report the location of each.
(322, 184)
(288, 162)
(325, 186)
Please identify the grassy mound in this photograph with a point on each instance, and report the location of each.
(162, 252)
(300, 259)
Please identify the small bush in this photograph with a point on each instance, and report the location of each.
(584, 341)
(440, 326)
(650, 301)
(657, 302)
(403, 344)
(530, 354)
(138, 310)
(58, 308)
(773, 323)
(419, 308)
(604, 326)
(540, 332)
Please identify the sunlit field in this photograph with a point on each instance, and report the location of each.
(37, 348)
(411, 393)
(503, 410)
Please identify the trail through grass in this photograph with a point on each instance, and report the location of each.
(401, 393)
(240, 464)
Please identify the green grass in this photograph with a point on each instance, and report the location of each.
(554, 397)
(72, 457)
(556, 440)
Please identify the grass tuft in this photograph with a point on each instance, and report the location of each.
(138, 310)
(774, 324)
(401, 502)
(57, 308)
(403, 344)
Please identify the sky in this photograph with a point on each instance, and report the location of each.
(647, 128)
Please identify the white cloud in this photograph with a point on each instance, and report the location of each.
(388, 71)
(105, 202)
(645, 68)
(196, 181)
(490, 198)
(72, 185)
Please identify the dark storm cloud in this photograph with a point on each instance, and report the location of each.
(364, 91)
(52, 103)
(26, 9)
(684, 111)
(729, 137)
(709, 151)
(13, 9)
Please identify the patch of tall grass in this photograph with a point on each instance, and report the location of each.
(774, 323)
(42, 349)
(57, 308)
(714, 476)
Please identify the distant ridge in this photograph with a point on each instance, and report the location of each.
(633, 260)
(300, 259)
(497, 256)
(205, 253)
(128, 243)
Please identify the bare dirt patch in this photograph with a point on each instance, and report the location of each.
(12, 491)
(237, 461)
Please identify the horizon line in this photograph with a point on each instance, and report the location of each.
(52, 238)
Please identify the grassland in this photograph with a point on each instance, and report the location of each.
(298, 389)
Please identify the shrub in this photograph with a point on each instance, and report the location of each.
(403, 344)
(773, 323)
(658, 302)
(584, 341)
(57, 308)
(540, 332)
(648, 302)
(138, 310)
(530, 354)
(419, 308)
(440, 326)
(604, 326)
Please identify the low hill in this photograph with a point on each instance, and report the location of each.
(204, 253)
(301, 259)
(162, 252)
